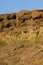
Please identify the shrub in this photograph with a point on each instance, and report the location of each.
(2, 43)
(33, 38)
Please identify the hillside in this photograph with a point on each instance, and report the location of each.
(21, 38)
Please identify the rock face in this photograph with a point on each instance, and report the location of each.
(21, 38)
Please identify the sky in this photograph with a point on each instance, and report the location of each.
(10, 6)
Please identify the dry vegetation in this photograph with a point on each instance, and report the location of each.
(21, 38)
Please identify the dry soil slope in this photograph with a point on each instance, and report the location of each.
(21, 38)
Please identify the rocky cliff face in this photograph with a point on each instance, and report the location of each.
(21, 38)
